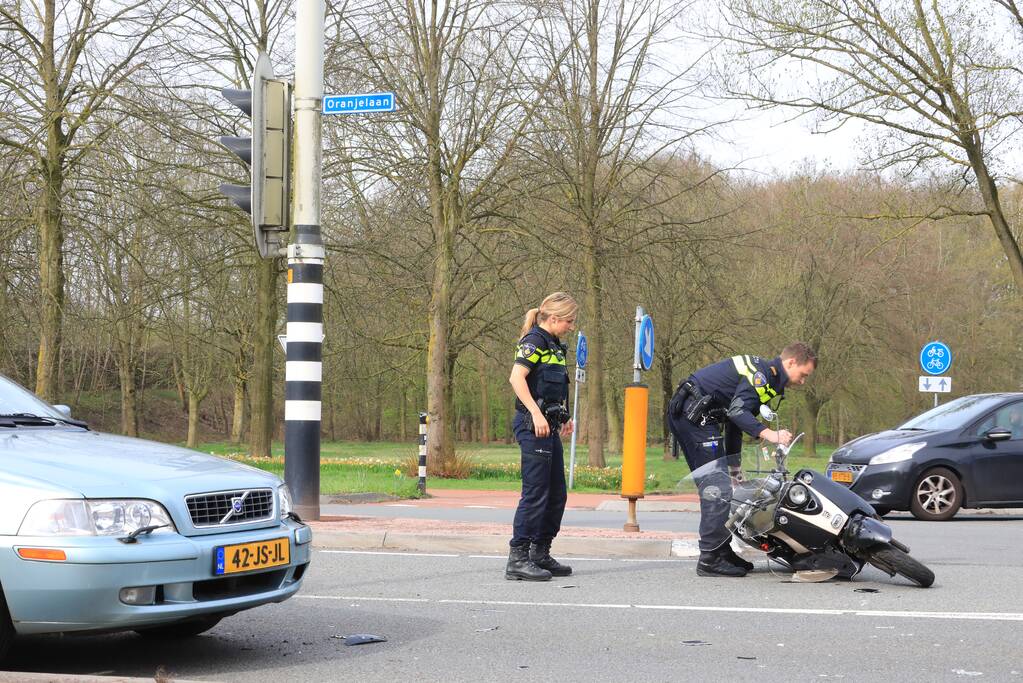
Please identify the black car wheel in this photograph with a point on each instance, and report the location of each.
(937, 495)
(6, 628)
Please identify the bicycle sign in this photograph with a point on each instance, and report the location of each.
(935, 358)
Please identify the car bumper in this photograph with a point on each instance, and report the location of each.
(83, 592)
(883, 485)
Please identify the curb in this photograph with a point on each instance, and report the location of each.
(565, 545)
(23, 677)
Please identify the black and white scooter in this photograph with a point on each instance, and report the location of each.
(813, 526)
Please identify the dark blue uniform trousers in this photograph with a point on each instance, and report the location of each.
(544, 494)
(702, 445)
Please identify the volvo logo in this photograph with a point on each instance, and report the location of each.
(237, 505)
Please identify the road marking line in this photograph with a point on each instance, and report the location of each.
(384, 552)
(361, 598)
(500, 557)
(977, 616)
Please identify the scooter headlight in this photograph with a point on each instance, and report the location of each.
(798, 495)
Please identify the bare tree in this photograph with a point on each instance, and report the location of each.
(463, 106)
(937, 77)
(63, 62)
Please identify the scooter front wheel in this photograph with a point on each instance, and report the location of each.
(892, 561)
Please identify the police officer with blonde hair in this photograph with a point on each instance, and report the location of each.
(539, 378)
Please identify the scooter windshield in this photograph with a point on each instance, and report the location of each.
(750, 482)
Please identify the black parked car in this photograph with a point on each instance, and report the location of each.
(965, 453)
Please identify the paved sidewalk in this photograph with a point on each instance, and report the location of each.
(395, 530)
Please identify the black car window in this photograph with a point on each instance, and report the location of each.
(1007, 417)
(955, 414)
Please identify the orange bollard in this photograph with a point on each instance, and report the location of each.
(634, 448)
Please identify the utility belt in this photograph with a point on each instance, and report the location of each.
(696, 406)
(555, 413)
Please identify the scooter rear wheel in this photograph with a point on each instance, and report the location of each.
(893, 561)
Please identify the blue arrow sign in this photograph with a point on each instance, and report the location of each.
(646, 342)
(580, 351)
(359, 104)
(935, 358)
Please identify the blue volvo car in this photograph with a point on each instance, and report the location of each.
(109, 533)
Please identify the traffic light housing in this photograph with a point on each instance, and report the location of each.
(267, 153)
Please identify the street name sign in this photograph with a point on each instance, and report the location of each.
(365, 103)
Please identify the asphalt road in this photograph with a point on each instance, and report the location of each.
(455, 618)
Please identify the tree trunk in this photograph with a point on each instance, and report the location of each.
(666, 363)
(484, 401)
(129, 396)
(813, 410)
(51, 268)
(194, 401)
(1003, 231)
(238, 412)
(615, 420)
(261, 385)
(596, 431)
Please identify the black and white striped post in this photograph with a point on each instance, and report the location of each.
(422, 452)
(304, 368)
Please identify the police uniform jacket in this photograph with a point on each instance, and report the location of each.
(544, 355)
(740, 385)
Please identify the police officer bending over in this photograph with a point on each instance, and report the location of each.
(726, 396)
(540, 381)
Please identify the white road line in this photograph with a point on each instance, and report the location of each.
(975, 616)
(676, 560)
(384, 552)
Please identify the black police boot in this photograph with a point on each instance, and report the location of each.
(715, 563)
(540, 554)
(521, 568)
(736, 559)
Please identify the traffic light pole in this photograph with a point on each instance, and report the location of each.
(306, 255)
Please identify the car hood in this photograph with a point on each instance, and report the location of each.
(859, 451)
(97, 465)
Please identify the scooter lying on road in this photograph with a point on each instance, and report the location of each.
(813, 526)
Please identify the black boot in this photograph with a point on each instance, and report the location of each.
(540, 554)
(521, 568)
(736, 559)
(715, 563)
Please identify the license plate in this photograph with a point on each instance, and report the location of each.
(247, 557)
(844, 477)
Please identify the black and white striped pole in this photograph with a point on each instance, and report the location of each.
(304, 368)
(422, 452)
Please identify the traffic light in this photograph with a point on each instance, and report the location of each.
(268, 153)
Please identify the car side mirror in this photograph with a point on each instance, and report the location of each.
(997, 434)
(63, 409)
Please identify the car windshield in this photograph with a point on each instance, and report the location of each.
(954, 414)
(14, 400)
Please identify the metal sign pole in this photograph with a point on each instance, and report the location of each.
(306, 255)
(575, 430)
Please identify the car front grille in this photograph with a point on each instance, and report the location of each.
(856, 471)
(230, 507)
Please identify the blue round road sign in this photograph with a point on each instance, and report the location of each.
(935, 358)
(580, 351)
(646, 342)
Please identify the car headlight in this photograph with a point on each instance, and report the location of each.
(897, 454)
(798, 494)
(99, 517)
(284, 495)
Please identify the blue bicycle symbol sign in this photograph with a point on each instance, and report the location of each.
(935, 358)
